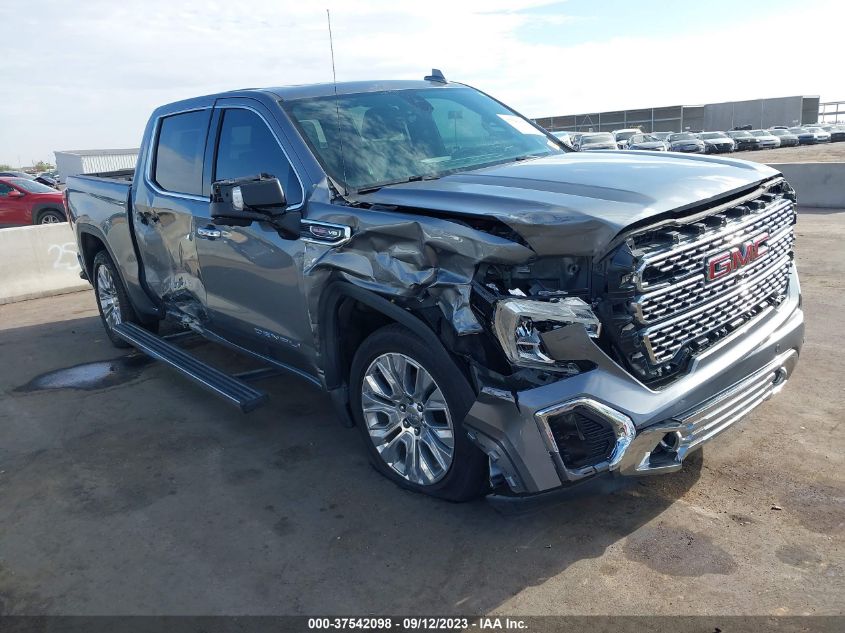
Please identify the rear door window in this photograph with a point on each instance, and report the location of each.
(179, 153)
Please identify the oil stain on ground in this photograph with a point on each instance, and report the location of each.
(677, 551)
(89, 376)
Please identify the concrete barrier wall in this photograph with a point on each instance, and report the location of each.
(817, 184)
(38, 261)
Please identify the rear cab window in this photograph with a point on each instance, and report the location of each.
(179, 152)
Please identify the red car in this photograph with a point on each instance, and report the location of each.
(24, 201)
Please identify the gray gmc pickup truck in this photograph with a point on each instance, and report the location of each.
(495, 312)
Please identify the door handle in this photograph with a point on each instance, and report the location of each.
(209, 233)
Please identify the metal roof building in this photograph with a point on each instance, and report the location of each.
(759, 113)
(92, 161)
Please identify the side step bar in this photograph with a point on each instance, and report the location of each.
(230, 388)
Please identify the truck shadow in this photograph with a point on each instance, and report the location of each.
(277, 511)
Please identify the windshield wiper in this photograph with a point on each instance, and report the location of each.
(401, 181)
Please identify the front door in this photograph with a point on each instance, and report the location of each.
(164, 210)
(252, 276)
(12, 206)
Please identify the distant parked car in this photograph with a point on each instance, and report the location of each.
(744, 140)
(647, 142)
(596, 141)
(685, 142)
(16, 174)
(810, 135)
(622, 136)
(24, 201)
(787, 138)
(837, 132)
(717, 142)
(766, 139)
(47, 180)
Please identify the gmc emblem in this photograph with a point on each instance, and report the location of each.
(730, 261)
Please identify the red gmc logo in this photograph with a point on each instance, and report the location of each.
(732, 260)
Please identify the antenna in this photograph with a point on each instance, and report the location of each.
(337, 103)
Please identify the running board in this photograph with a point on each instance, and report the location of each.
(229, 387)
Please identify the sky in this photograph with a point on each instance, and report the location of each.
(86, 75)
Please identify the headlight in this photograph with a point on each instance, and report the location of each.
(519, 322)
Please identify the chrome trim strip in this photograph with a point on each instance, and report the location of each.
(622, 425)
(705, 421)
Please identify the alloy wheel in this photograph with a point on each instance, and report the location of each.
(408, 419)
(107, 296)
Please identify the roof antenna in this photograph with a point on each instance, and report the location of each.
(337, 105)
(436, 75)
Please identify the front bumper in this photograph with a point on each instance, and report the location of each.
(656, 429)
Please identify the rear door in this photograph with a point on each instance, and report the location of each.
(252, 276)
(165, 206)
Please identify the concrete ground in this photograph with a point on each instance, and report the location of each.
(141, 494)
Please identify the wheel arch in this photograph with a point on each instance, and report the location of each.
(337, 350)
(40, 207)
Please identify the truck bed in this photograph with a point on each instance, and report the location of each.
(99, 207)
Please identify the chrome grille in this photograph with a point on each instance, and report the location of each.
(669, 263)
(672, 310)
(695, 291)
(663, 341)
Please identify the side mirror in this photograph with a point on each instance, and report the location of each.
(14, 193)
(242, 201)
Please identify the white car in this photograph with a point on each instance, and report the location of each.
(623, 136)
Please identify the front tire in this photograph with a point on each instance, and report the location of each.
(112, 300)
(409, 402)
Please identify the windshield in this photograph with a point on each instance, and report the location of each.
(739, 134)
(595, 139)
(624, 136)
(31, 186)
(683, 136)
(760, 133)
(644, 138)
(367, 140)
(712, 135)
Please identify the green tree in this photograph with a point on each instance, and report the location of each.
(43, 166)
(5, 167)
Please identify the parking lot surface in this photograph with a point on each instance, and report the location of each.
(823, 153)
(125, 489)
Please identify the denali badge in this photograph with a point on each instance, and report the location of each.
(730, 261)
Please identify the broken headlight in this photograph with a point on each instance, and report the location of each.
(519, 322)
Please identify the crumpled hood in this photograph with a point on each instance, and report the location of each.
(576, 203)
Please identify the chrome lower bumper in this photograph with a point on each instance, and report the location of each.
(662, 448)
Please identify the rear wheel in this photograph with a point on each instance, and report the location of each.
(409, 402)
(112, 300)
(51, 216)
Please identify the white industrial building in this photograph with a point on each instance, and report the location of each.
(93, 161)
